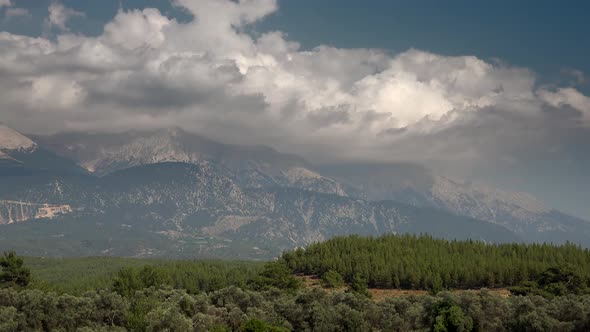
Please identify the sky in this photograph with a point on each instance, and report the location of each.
(493, 91)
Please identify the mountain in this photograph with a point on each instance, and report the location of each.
(19, 155)
(190, 210)
(17, 211)
(23, 165)
(174, 193)
(251, 166)
(413, 184)
(11, 140)
(12, 143)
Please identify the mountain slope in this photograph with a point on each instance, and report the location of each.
(192, 196)
(11, 140)
(25, 165)
(19, 155)
(251, 166)
(198, 210)
(521, 213)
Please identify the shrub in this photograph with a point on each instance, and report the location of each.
(332, 279)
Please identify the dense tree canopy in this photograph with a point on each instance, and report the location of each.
(12, 271)
(422, 262)
(236, 309)
(551, 294)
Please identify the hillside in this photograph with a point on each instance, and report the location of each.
(171, 193)
(146, 295)
(411, 262)
(185, 210)
(413, 184)
(77, 276)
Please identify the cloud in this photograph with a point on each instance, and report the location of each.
(60, 15)
(210, 76)
(17, 12)
(578, 76)
(568, 97)
(13, 12)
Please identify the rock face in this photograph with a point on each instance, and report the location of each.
(16, 211)
(11, 140)
(412, 184)
(187, 204)
(172, 193)
(251, 166)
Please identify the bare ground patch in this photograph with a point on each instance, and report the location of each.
(379, 295)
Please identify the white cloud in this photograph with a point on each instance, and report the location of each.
(575, 77)
(568, 97)
(17, 12)
(136, 29)
(209, 76)
(60, 15)
(13, 12)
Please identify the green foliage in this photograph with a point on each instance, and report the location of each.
(332, 279)
(13, 273)
(109, 308)
(422, 262)
(79, 275)
(153, 277)
(359, 285)
(10, 319)
(127, 282)
(435, 284)
(158, 306)
(555, 281)
(254, 325)
(563, 280)
(277, 275)
(257, 325)
(451, 318)
(168, 317)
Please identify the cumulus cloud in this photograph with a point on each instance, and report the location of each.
(568, 97)
(210, 76)
(59, 15)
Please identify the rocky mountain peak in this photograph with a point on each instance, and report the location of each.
(11, 140)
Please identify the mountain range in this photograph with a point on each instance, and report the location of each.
(176, 194)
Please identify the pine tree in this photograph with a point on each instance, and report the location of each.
(13, 273)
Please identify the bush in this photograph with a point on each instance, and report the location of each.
(450, 317)
(256, 325)
(359, 285)
(555, 281)
(277, 275)
(12, 273)
(332, 279)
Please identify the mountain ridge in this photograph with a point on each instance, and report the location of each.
(183, 204)
(180, 189)
(11, 141)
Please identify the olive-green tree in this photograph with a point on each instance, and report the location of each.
(13, 273)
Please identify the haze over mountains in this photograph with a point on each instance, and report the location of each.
(174, 193)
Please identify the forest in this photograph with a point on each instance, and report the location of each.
(549, 290)
(423, 262)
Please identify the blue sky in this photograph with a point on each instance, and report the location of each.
(550, 37)
(497, 91)
(544, 35)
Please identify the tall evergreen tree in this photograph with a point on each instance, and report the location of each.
(13, 272)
